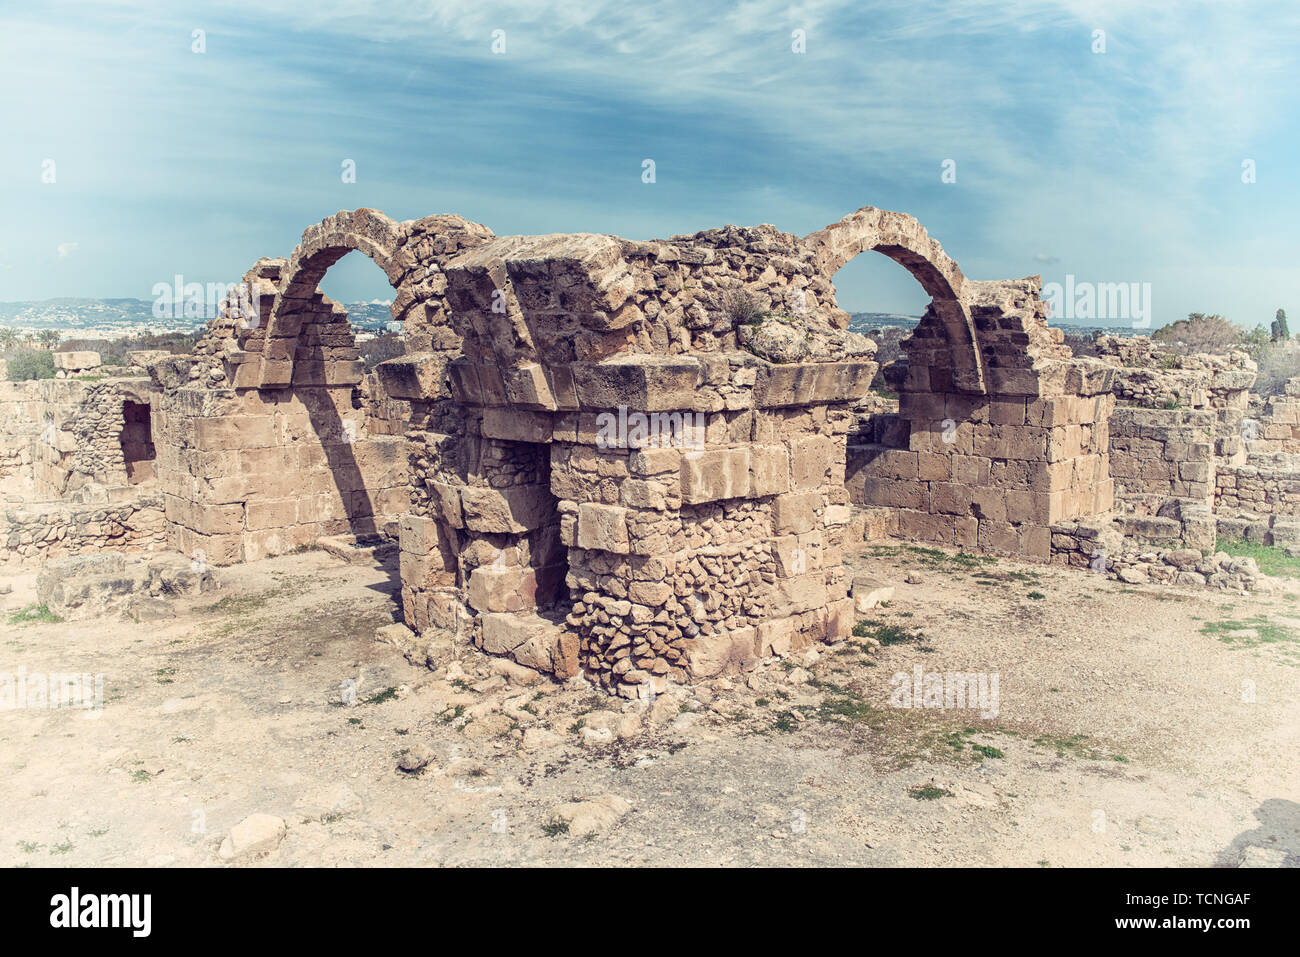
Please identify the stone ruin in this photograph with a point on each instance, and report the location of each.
(637, 461)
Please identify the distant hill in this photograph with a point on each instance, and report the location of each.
(862, 321)
(111, 318)
(107, 318)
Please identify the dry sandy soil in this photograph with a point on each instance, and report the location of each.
(1133, 727)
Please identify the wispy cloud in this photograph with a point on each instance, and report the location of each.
(1124, 164)
(67, 249)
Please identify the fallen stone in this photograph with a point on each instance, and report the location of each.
(590, 817)
(869, 593)
(256, 834)
(538, 739)
(1256, 856)
(514, 672)
(596, 737)
(415, 759)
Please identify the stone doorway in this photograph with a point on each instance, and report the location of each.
(137, 442)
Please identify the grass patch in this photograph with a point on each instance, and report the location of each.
(786, 723)
(388, 694)
(34, 613)
(886, 633)
(927, 792)
(1036, 595)
(1076, 745)
(1271, 561)
(930, 557)
(1249, 632)
(555, 828)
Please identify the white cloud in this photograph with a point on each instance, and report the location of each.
(67, 249)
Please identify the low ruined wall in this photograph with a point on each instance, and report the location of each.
(36, 533)
(992, 474)
(1162, 452)
(20, 429)
(1276, 427)
(1263, 487)
(1103, 549)
(80, 437)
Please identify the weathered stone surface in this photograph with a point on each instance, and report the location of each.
(255, 835)
(76, 361)
(713, 475)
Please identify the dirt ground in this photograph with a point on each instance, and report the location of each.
(1132, 726)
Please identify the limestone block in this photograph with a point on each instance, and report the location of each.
(417, 375)
(446, 500)
(654, 462)
(76, 361)
(799, 594)
(516, 425)
(418, 534)
(840, 620)
(234, 432)
(869, 592)
(720, 653)
(527, 387)
(776, 637)
(714, 475)
(603, 527)
(643, 383)
(795, 512)
(810, 459)
(508, 589)
(520, 508)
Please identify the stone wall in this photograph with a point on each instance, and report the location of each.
(1275, 427)
(20, 429)
(38, 532)
(69, 487)
(1164, 453)
(1269, 485)
(995, 471)
(81, 439)
(246, 475)
(1104, 549)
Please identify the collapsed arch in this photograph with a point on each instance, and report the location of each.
(903, 239)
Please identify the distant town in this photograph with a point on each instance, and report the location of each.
(119, 318)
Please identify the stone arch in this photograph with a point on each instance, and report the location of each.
(903, 239)
(363, 230)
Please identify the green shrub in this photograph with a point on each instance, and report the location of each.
(26, 364)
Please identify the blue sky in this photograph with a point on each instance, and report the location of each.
(1122, 166)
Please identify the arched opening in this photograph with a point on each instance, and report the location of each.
(356, 428)
(885, 303)
(367, 295)
(945, 340)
